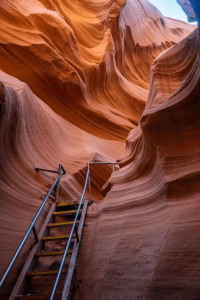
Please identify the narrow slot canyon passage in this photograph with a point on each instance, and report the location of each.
(106, 95)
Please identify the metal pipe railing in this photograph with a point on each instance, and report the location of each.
(70, 237)
(52, 171)
(75, 220)
(32, 226)
(99, 163)
(58, 183)
(46, 170)
(102, 163)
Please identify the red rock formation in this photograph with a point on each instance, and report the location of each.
(74, 81)
(144, 236)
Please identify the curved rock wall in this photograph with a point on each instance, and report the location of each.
(87, 59)
(74, 80)
(144, 236)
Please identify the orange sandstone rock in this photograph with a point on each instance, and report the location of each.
(74, 82)
(144, 236)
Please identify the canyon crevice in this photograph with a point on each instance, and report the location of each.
(104, 81)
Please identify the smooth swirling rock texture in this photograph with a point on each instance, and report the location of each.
(32, 134)
(74, 81)
(89, 58)
(145, 240)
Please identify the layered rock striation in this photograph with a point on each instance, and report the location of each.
(74, 82)
(145, 233)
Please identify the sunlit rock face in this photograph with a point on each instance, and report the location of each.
(74, 83)
(144, 236)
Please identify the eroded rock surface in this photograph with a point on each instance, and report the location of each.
(74, 81)
(145, 233)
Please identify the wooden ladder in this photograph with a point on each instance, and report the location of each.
(60, 216)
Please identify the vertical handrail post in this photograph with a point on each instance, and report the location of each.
(89, 184)
(58, 184)
(113, 167)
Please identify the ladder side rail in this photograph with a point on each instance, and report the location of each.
(30, 262)
(70, 237)
(28, 232)
(70, 272)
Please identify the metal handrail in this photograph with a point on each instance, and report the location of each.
(99, 163)
(52, 171)
(102, 163)
(31, 227)
(70, 237)
(75, 220)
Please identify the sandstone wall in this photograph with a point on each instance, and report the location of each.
(74, 81)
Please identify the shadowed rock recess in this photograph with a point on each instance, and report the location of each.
(104, 80)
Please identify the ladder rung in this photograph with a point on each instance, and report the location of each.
(51, 253)
(52, 238)
(61, 224)
(65, 212)
(70, 203)
(64, 271)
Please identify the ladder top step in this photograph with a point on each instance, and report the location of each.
(51, 253)
(68, 203)
(53, 238)
(61, 224)
(42, 273)
(65, 212)
(41, 297)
